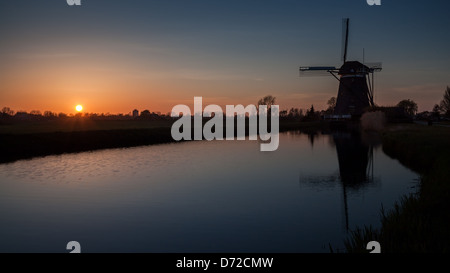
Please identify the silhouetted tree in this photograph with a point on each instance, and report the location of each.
(292, 112)
(436, 111)
(445, 103)
(409, 106)
(49, 114)
(145, 113)
(311, 111)
(6, 111)
(35, 113)
(311, 114)
(295, 113)
(331, 104)
(267, 100)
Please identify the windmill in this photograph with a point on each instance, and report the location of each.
(356, 81)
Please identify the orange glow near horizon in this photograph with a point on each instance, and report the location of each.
(115, 85)
(119, 83)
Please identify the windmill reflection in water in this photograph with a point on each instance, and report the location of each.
(356, 165)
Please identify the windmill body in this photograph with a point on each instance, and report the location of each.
(353, 95)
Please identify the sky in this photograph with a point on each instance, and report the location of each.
(117, 55)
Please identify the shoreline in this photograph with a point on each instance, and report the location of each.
(19, 146)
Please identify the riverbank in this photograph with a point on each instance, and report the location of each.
(34, 139)
(419, 222)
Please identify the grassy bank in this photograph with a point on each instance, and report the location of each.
(32, 139)
(420, 222)
(78, 124)
(22, 146)
(23, 140)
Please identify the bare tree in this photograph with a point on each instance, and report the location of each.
(331, 104)
(49, 114)
(436, 111)
(268, 100)
(35, 113)
(7, 111)
(445, 103)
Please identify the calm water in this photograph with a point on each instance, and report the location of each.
(219, 196)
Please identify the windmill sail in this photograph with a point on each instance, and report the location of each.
(345, 33)
(316, 70)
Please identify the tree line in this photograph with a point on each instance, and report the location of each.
(409, 106)
(440, 110)
(8, 113)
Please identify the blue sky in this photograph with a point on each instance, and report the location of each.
(155, 54)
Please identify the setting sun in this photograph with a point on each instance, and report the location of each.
(79, 108)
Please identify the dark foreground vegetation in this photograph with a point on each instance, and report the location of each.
(419, 222)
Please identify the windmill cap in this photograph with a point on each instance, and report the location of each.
(353, 67)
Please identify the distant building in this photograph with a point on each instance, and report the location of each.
(135, 113)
